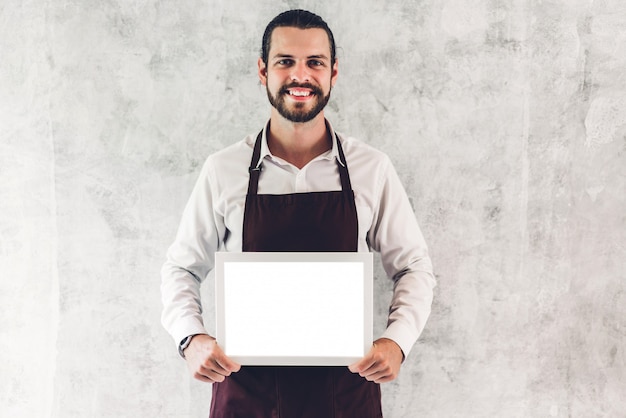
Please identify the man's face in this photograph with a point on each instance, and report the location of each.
(299, 75)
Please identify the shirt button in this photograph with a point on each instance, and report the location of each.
(301, 182)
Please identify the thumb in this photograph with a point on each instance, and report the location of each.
(226, 362)
(233, 366)
(366, 362)
(359, 366)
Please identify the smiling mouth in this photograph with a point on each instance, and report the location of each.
(299, 93)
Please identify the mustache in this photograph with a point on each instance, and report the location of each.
(314, 89)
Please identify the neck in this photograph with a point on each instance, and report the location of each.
(298, 143)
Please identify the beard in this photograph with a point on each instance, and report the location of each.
(298, 113)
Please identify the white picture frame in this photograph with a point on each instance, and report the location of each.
(294, 309)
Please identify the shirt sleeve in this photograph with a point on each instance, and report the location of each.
(397, 236)
(188, 262)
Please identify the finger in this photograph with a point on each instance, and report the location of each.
(212, 374)
(222, 361)
(362, 365)
(379, 376)
(384, 379)
(212, 365)
(227, 364)
(371, 368)
(381, 373)
(202, 378)
(208, 376)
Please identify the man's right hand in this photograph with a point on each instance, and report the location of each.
(206, 360)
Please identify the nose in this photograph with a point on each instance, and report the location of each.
(300, 72)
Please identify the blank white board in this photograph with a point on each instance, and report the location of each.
(294, 308)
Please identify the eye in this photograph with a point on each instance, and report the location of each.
(285, 62)
(316, 63)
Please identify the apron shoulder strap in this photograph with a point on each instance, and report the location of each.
(255, 167)
(342, 165)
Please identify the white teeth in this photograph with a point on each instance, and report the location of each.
(299, 93)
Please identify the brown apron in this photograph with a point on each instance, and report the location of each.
(318, 221)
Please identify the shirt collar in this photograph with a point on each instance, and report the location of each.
(332, 154)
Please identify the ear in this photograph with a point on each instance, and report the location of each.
(262, 71)
(334, 73)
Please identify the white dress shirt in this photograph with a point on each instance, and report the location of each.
(213, 220)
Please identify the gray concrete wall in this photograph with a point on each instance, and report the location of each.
(505, 119)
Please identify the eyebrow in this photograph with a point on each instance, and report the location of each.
(321, 56)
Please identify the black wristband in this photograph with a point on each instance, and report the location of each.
(184, 344)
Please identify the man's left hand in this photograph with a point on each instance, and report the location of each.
(382, 363)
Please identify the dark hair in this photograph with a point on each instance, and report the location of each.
(300, 19)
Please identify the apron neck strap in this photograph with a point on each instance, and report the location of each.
(343, 167)
(255, 168)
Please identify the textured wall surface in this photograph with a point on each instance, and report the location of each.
(506, 121)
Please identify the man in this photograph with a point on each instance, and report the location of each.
(297, 186)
